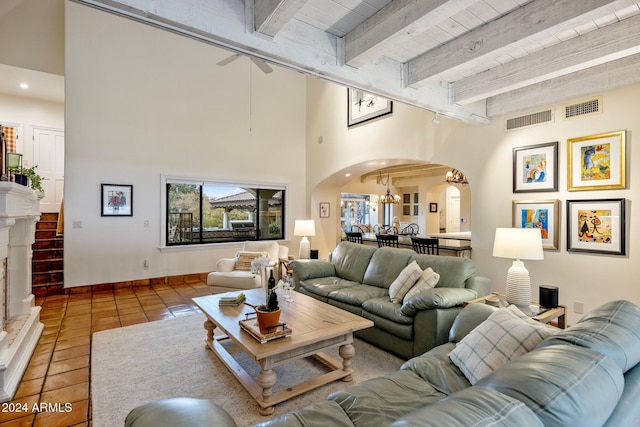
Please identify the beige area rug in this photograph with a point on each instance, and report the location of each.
(168, 358)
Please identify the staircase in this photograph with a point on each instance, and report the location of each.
(48, 258)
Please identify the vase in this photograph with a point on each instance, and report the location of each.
(267, 319)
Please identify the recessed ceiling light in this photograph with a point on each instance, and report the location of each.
(347, 174)
(24, 86)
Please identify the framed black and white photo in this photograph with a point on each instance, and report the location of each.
(363, 106)
(535, 168)
(596, 226)
(117, 200)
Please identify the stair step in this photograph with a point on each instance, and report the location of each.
(47, 268)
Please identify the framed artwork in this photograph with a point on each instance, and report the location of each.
(324, 209)
(433, 207)
(406, 210)
(597, 162)
(535, 168)
(596, 226)
(363, 106)
(117, 200)
(542, 214)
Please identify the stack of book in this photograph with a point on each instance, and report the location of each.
(233, 300)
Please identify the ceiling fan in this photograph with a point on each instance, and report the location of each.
(259, 62)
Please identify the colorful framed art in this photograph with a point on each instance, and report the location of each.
(117, 200)
(542, 214)
(597, 162)
(535, 168)
(325, 209)
(596, 226)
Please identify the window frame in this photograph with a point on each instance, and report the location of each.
(208, 181)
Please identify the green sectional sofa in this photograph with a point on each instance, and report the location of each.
(587, 375)
(357, 279)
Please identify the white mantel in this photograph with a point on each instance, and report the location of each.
(20, 332)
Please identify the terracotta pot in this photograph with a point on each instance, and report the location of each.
(267, 319)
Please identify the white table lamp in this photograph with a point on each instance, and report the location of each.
(304, 228)
(518, 244)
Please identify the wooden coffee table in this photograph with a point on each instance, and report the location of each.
(315, 327)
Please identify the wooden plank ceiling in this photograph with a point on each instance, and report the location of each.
(473, 60)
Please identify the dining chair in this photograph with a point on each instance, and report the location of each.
(387, 240)
(354, 236)
(423, 245)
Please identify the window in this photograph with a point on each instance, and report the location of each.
(209, 212)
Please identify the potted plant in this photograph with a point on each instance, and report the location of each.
(268, 314)
(33, 177)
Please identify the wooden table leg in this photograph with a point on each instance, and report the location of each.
(266, 379)
(347, 352)
(209, 326)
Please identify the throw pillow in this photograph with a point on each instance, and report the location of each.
(427, 280)
(244, 259)
(500, 338)
(405, 280)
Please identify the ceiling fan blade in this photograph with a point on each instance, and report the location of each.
(229, 59)
(262, 65)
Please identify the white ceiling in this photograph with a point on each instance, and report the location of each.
(469, 59)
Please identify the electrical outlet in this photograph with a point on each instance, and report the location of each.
(578, 307)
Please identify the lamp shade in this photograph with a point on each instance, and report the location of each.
(518, 243)
(14, 160)
(304, 227)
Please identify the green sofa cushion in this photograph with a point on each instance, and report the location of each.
(323, 286)
(385, 266)
(453, 271)
(387, 309)
(321, 414)
(436, 368)
(358, 294)
(380, 401)
(618, 333)
(563, 385)
(437, 298)
(472, 407)
(351, 260)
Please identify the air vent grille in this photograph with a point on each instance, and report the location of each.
(537, 118)
(582, 108)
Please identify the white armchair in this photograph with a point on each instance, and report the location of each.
(233, 276)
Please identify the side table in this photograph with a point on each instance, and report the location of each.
(547, 316)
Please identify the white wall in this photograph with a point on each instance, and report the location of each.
(30, 113)
(141, 102)
(484, 153)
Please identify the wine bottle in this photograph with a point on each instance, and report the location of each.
(272, 280)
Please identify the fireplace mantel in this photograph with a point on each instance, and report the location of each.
(20, 326)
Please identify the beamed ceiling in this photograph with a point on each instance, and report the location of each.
(473, 60)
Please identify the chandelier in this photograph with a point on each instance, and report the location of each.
(388, 198)
(454, 176)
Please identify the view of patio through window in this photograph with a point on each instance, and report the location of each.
(201, 212)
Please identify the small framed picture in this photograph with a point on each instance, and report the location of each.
(535, 168)
(324, 210)
(433, 207)
(117, 200)
(597, 162)
(596, 226)
(542, 214)
(363, 106)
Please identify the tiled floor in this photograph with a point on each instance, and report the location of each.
(60, 370)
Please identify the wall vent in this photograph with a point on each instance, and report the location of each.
(583, 108)
(527, 120)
